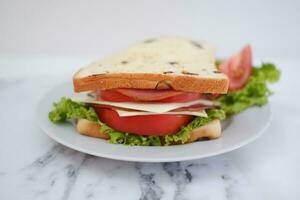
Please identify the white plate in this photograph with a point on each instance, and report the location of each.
(237, 132)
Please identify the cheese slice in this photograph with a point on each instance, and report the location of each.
(149, 107)
(124, 113)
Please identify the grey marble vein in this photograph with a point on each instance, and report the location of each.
(230, 183)
(180, 175)
(56, 170)
(48, 157)
(150, 190)
(72, 173)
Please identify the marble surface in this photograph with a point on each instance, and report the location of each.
(35, 167)
(62, 173)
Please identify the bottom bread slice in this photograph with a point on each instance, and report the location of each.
(212, 130)
(86, 127)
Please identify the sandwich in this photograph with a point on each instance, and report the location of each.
(163, 91)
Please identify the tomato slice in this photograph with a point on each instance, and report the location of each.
(136, 95)
(238, 68)
(150, 125)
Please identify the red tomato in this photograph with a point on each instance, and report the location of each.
(238, 68)
(151, 125)
(135, 95)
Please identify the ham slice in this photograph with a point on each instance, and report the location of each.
(145, 95)
(196, 107)
(148, 95)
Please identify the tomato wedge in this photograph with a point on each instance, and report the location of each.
(151, 125)
(136, 95)
(238, 68)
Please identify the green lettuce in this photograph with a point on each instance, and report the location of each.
(255, 93)
(68, 109)
(117, 137)
(183, 135)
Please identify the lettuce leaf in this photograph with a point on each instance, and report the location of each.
(183, 135)
(255, 93)
(117, 137)
(68, 109)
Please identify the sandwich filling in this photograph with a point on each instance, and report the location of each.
(152, 117)
(148, 112)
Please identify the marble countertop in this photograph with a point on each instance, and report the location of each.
(35, 167)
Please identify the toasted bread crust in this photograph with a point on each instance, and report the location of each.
(211, 130)
(187, 83)
(173, 62)
(89, 128)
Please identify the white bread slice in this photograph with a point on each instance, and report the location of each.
(167, 62)
(86, 127)
(211, 130)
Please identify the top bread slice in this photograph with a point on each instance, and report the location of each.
(159, 63)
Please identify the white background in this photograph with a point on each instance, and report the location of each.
(96, 27)
(78, 31)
